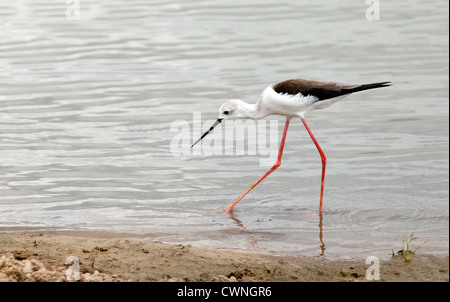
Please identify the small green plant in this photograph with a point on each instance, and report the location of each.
(406, 252)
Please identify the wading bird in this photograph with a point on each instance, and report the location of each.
(291, 98)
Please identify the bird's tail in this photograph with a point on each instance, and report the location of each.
(366, 87)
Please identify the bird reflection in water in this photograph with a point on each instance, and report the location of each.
(322, 246)
(236, 221)
(239, 223)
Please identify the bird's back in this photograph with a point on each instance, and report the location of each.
(321, 90)
(298, 96)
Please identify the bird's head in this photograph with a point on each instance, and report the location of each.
(229, 110)
(233, 109)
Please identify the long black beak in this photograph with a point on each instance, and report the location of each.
(219, 120)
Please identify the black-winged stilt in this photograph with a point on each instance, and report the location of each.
(291, 98)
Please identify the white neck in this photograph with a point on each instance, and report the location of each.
(252, 111)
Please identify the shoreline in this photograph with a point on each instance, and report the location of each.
(42, 256)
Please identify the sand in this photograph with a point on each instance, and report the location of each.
(42, 257)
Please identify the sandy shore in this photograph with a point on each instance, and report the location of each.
(43, 256)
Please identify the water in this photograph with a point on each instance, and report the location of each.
(86, 109)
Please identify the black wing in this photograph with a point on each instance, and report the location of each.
(321, 90)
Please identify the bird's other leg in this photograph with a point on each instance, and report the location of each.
(275, 166)
(323, 158)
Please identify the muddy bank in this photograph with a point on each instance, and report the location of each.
(49, 256)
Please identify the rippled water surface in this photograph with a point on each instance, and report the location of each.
(88, 110)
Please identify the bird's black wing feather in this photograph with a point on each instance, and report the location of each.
(321, 90)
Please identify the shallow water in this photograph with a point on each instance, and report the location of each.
(87, 107)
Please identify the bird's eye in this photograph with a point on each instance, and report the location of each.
(226, 112)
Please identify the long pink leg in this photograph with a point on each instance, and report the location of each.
(275, 166)
(324, 161)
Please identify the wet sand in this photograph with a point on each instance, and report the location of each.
(31, 256)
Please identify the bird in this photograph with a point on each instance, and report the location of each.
(290, 98)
